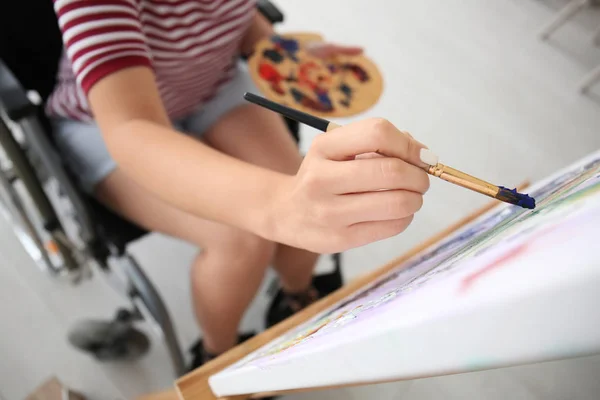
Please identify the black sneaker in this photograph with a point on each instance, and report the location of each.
(200, 356)
(324, 284)
(285, 305)
(329, 283)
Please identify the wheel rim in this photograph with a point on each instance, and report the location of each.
(16, 215)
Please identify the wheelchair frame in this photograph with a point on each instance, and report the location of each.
(76, 257)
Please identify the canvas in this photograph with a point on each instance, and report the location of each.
(464, 272)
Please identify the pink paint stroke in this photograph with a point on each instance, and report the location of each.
(470, 279)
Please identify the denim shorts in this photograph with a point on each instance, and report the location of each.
(83, 149)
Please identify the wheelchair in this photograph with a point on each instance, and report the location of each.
(67, 233)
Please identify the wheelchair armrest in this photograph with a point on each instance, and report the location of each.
(270, 11)
(13, 97)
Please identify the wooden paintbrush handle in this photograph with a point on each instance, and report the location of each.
(332, 126)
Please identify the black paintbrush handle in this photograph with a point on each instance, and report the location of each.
(302, 117)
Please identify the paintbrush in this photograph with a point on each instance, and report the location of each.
(439, 170)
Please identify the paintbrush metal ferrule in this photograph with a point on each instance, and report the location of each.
(459, 178)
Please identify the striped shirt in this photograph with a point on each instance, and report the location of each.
(191, 46)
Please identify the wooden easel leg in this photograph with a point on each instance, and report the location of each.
(596, 39)
(588, 81)
(173, 395)
(565, 14)
(166, 395)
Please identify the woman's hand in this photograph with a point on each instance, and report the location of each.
(338, 201)
(327, 50)
(261, 28)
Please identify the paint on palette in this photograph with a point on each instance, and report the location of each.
(286, 72)
(308, 81)
(507, 227)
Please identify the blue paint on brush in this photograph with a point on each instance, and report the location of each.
(516, 198)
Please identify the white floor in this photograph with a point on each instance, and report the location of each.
(471, 80)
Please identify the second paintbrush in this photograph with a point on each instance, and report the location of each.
(439, 170)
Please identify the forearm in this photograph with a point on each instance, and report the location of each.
(259, 29)
(194, 177)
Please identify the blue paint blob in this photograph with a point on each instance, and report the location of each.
(273, 55)
(291, 46)
(297, 95)
(346, 90)
(523, 200)
(323, 97)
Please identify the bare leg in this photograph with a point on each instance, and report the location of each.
(295, 267)
(224, 277)
(259, 136)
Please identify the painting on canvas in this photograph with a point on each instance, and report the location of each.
(507, 231)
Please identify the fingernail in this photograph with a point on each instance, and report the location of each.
(428, 157)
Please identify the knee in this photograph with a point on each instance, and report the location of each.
(240, 247)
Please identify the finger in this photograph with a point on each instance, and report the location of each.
(324, 50)
(376, 206)
(368, 232)
(370, 174)
(346, 50)
(372, 136)
(406, 133)
(368, 155)
(412, 137)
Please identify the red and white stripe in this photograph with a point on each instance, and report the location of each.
(191, 46)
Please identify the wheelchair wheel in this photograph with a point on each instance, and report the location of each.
(16, 214)
(49, 254)
(27, 208)
(109, 340)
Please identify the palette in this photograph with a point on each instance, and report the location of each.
(339, 86)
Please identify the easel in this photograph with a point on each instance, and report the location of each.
(566, 13)
(194, 386)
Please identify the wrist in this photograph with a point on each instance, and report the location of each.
(269, 219)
